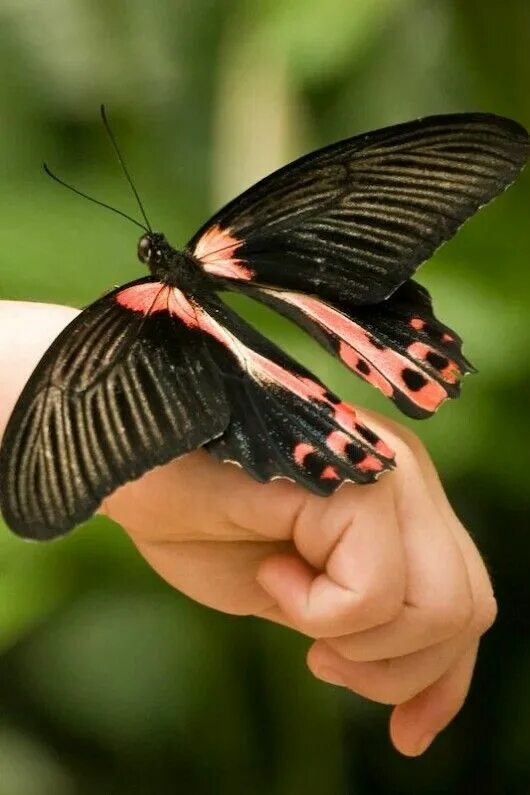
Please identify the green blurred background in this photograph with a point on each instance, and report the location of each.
(109, 681)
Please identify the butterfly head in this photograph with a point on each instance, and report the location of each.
(153, 250)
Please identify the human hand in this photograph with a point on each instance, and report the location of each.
(384, 578)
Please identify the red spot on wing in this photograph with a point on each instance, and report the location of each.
(447, 338)
(301, 450)
(345, 415)
(216, 249)
(383, 449)
(417, 323)
(370, 464)
(144, 298)
(338, 441)
(151, 297)
(329, 473)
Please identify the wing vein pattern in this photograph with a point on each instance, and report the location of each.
(118, 393)
(356, 219)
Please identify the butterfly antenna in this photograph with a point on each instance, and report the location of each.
(91, 198)
(122, 164)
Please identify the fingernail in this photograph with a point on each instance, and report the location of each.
(331, 676)
(424, 743)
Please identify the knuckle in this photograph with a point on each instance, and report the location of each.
(372, 608)
(383, 681)
(453, 616)
(318, 624)
(383, 605)
(409, 444)
(485, 613)
(315, 628)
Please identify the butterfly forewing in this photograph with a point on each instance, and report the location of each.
(356, 219)
(128, 385)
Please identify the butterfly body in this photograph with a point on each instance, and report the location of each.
(166, 263)
(162, 366)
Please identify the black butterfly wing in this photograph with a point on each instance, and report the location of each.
(128, 385)
(284, 423)
(398, 345)
(355, 220)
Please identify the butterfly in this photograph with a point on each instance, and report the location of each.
(162, 365)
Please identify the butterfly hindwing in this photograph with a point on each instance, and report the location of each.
(284, 423)
(398, 346)
(128, 385)
(355, 220)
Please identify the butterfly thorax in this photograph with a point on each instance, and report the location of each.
(166, 263)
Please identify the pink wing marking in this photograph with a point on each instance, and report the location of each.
(417, 323)
(351, 358)
(144, 298)
(448, 369)
(301, 451)
(152, 297)
(268, 372)
(346, 416)
(338, 441)
(216, 249)
(358, 350)
(329, 473)
(370, 464)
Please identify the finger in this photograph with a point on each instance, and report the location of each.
(387, 681)
(484, 603)
(221, 576)
(197, 498)
(483, 596)
(363, 581)
(437, 492)
(438, 597)
(415, 724)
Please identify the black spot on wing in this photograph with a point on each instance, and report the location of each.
(366, 433)
(414, 380)
(362, 367)
(436, 360)
(354, 453)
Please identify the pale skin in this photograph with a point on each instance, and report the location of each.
(384, 579)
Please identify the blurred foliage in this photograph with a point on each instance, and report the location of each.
(109, 681)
